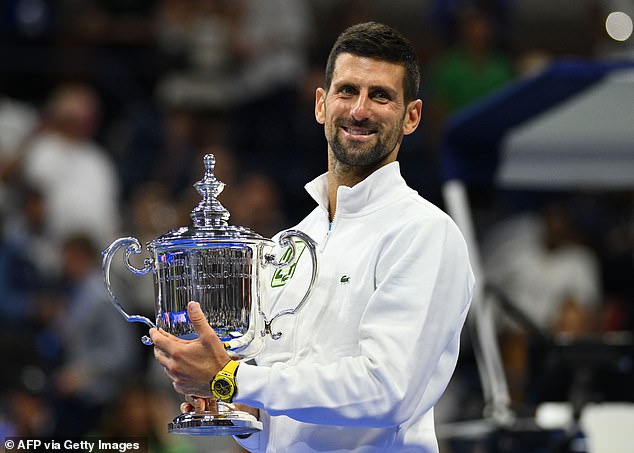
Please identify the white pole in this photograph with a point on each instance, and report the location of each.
(481, 318)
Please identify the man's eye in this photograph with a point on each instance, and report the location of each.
(347, 90)
(381, 95)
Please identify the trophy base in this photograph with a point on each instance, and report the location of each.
(233, 423)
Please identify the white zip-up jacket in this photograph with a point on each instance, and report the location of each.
(361, 365)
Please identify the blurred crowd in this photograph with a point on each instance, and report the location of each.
(106, 109)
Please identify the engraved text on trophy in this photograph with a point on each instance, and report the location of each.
(219, 278)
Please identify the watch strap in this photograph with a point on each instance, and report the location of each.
(230, 368)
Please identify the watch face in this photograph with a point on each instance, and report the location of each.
(223, 387)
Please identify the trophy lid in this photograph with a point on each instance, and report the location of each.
(209, 219)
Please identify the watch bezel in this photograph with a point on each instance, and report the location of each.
(223, 387)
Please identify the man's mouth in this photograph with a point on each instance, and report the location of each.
(357, 131)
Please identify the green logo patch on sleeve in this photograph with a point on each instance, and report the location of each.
(283, 274)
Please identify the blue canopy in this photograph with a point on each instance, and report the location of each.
(570, 125)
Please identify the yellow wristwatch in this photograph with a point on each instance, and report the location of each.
(223, 385)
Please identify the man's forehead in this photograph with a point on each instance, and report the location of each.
(351, 65)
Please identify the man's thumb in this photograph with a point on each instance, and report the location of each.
(197, 317)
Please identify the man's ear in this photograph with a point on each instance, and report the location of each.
(412, 116)
(320, 107)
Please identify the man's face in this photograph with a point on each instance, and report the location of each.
(364, 113)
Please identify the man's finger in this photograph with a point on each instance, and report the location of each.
(187, 407)
(198, 319)
(200, 404)
(156, 334)
(159, 337)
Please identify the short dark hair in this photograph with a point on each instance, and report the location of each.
(379, 41)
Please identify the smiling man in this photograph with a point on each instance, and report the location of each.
(362, 364)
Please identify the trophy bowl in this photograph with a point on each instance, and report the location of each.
(225, 269)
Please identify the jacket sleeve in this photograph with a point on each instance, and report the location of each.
(408, 340)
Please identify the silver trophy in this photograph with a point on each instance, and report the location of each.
(225, 269)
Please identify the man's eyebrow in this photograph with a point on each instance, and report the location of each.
(372, 88)
(344, 83)
(383, 88)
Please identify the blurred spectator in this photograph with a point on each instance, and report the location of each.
(73, 172)
(111, 44)
(539, 263)
(445, 15)
(257, 204)
(28, 229)
(17, 120)
(270, 44)
(19, 286)
(194, 37)
(467, 71)
(98, 347)
(174, 163)
(27, 414)
(153, 211)
(18, 282)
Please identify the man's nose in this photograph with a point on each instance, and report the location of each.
(361, 108)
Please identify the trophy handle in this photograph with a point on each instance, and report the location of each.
(285, 239)
(133, 246)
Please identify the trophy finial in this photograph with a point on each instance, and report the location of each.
(209, 212)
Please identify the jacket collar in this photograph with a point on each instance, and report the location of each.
(378, 189)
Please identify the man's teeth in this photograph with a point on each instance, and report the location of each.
(359, 131)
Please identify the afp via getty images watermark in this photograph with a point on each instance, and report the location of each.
(83, 445)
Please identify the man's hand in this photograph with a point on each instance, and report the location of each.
(196, 404)
(191, 364)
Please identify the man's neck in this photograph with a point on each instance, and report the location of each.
(343, 175)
